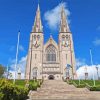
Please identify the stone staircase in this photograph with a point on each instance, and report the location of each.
(59, 90)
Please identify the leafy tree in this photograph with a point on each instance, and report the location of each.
(2, 70)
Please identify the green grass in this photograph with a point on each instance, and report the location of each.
(79, 84)
(86, 83)
(91, 83)
(23, 82)
(20, 83)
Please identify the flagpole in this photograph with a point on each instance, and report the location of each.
(92, 66)
(7, 71)
(16, 56)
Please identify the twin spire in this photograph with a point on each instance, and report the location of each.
(64, 27)
(38, 23)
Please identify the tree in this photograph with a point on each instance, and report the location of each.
(2, 70)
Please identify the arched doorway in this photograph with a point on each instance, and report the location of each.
(51, 77)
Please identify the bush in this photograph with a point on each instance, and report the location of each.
(12, 92)
(17, 91)
(38, 84)
(1, 95)
(92, 88)
(33, 86)
(95, 88)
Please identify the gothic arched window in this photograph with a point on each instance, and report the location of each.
(51, 53)
(35, 72)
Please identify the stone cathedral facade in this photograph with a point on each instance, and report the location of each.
(50, 60)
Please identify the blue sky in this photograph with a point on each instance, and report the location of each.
(18, 15)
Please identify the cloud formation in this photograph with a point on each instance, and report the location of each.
(80, 62)
(21, 48)
(96, 42)
(53, 16)
(91, 70)
(82, 68)
(21, 64)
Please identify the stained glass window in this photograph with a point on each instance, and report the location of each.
(51, 53)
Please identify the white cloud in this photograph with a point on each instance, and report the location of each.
(53, 16)
(21, 48)
(96, 42)
(80, 62)
(83, 67)
(21, 64)
(91, 70)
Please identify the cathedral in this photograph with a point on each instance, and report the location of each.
(50, 60)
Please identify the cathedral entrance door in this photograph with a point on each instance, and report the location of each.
(51, 77)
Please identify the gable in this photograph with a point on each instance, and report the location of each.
(51, 41)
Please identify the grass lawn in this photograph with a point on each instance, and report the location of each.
(23, 82)
(86, 83)
(91, 83)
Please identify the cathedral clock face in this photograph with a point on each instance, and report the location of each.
(36, 41)
(65, 40)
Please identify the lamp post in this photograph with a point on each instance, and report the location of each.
(92, 66)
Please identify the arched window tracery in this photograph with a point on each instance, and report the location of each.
(51, 53)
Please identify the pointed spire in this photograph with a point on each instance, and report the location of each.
(64, 24)
(37, 24)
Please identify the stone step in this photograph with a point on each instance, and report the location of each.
(60, 90)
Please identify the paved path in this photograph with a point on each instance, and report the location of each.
(59, 90)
